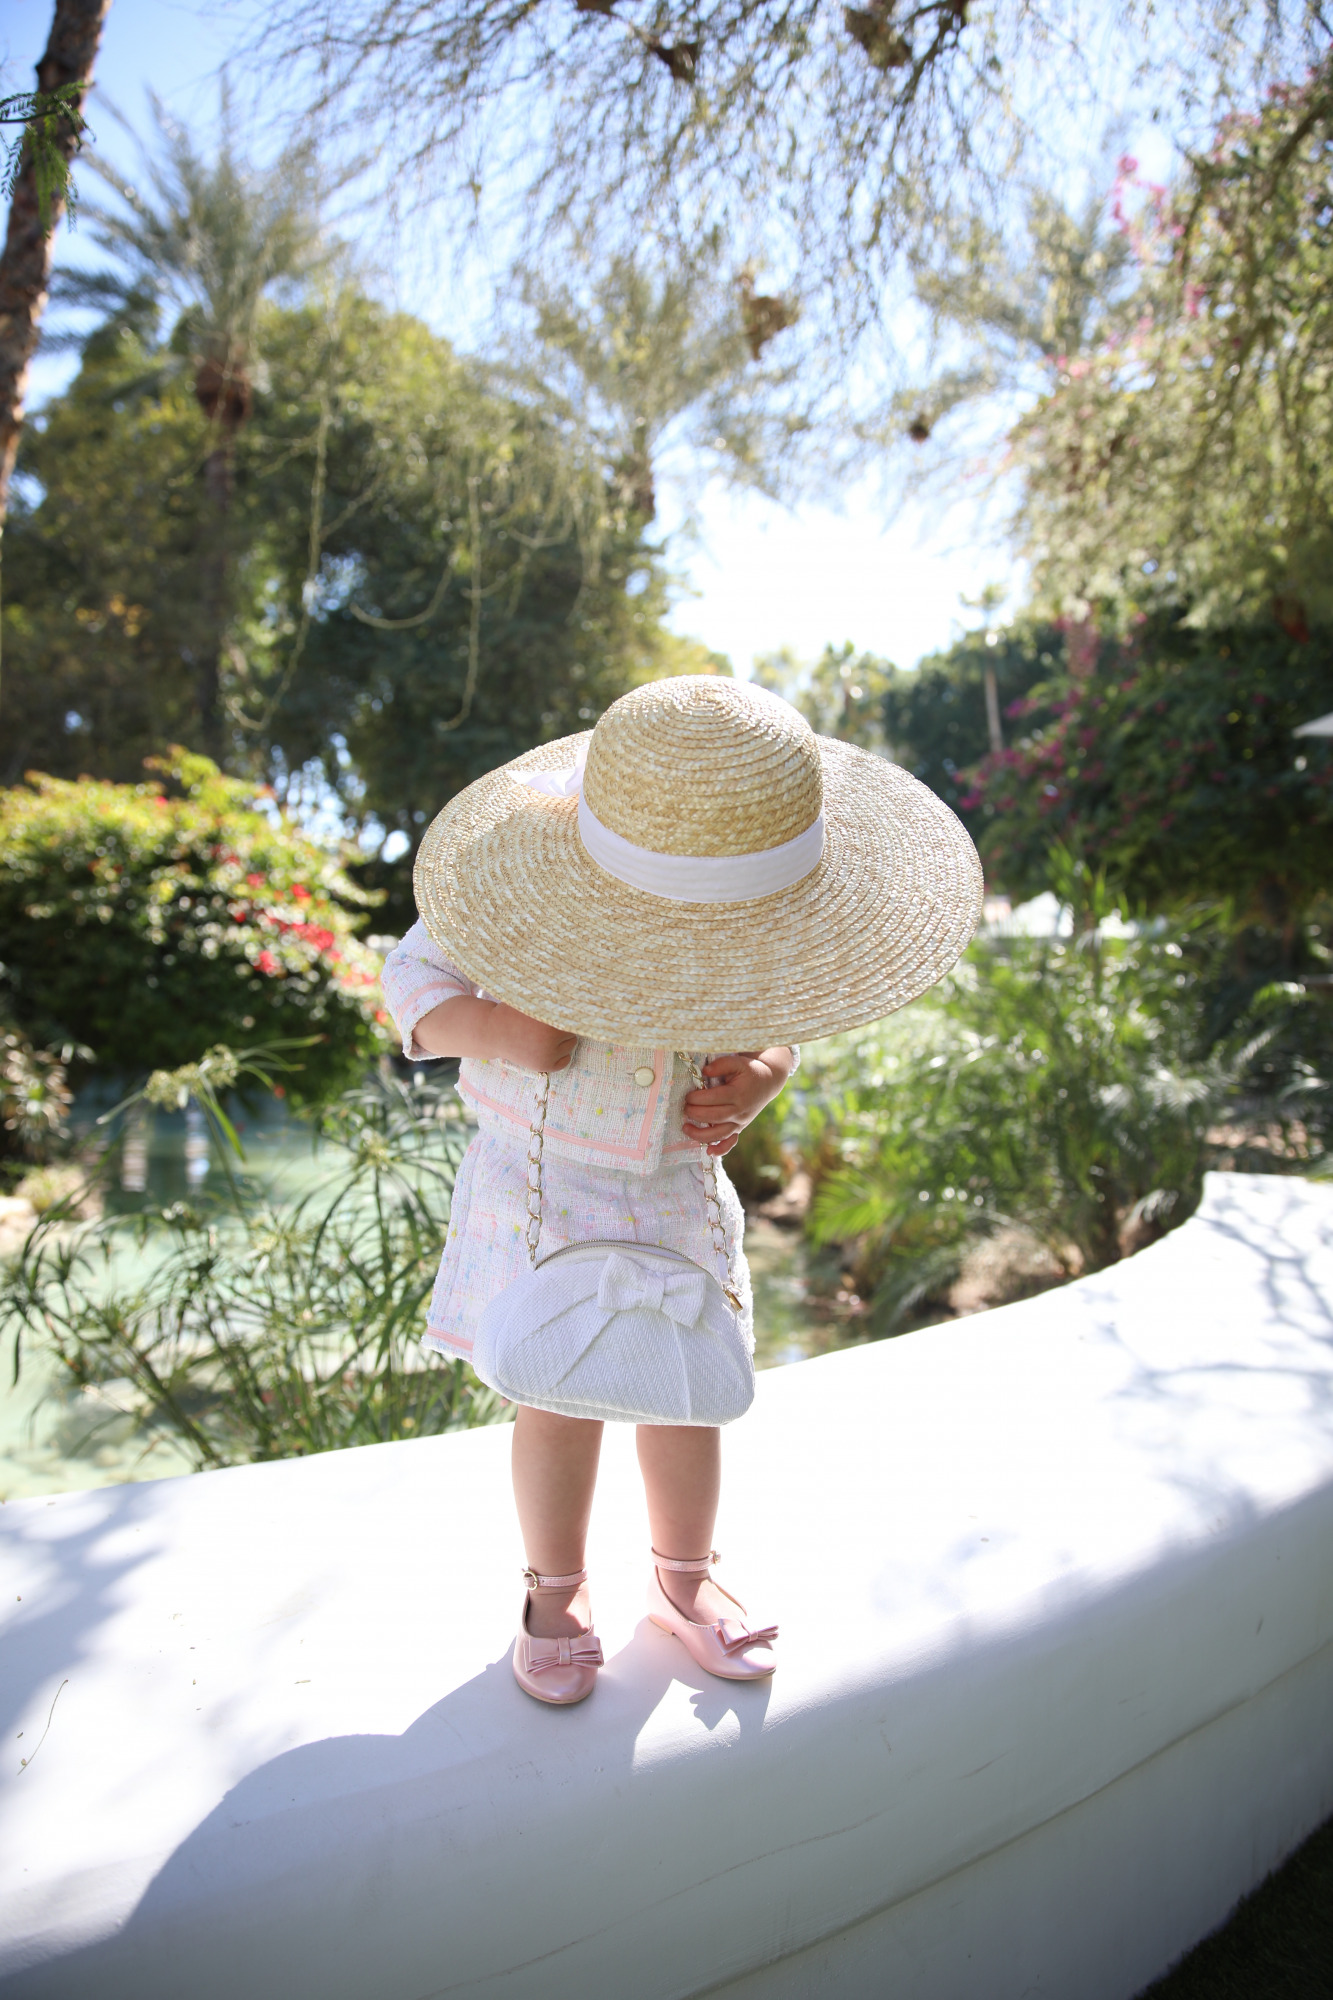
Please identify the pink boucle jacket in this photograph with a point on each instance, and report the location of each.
(605, 1110)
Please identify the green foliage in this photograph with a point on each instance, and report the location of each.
(832, 138)
(841, 694)
(931, 719)
(149, 920)
(475, 590)
(1171, 766)
(1053, 1085)
(209, 1081)
(1190, 454)
(52, 126)
(425, 583)
(202, 243)
(103, 624)
(35, 1100)
(1282, 1050)
(935, 718)
(1008, 303)
(649, 355)
(756, 1164)
(254, 1332)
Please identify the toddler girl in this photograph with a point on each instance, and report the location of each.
(703, 872)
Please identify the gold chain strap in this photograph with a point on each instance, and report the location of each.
(536, 1143)
(712, 1205)
(712, 1202)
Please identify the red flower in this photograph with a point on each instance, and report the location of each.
(279, 1090)
(255, 881)
(301, 893)
(267, 963)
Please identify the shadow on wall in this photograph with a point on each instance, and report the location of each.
(82, 1594)
(264, 1880)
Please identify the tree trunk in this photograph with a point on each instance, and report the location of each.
(217, 607)
(25, 268)
(993, 729)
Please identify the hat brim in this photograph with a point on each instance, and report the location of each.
(508, 891)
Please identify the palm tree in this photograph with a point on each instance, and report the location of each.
(201, 243)
(649, 352)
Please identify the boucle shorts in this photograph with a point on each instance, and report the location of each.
(485, 1249)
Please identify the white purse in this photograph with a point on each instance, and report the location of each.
(628, 1332)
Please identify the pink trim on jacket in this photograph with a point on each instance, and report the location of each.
(593, 1143)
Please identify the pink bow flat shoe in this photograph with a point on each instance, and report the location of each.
(561, 1671)
(731, 1649)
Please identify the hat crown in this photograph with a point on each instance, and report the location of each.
(699, 765)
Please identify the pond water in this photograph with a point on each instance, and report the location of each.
(56, 1439)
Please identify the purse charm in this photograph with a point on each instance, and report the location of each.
(629, 1332)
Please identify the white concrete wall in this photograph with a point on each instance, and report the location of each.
(1056, 1683)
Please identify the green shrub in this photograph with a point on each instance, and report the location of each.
(1050, 1084)
(251, 1331)
(1172, 767)
(148, 921)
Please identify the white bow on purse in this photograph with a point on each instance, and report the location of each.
(629, 1332)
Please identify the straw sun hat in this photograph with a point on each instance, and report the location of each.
(718, 876)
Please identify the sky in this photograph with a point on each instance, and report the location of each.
(888, 577)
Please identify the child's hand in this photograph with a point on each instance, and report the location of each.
(530, 1044)
(716, 1118)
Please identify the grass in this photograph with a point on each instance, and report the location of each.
(1277, 1946)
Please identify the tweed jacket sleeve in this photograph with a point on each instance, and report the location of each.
(416, 978)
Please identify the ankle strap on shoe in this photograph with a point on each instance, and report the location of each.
(687, 1566)
(535, 1581)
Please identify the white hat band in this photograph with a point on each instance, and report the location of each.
(702, 878)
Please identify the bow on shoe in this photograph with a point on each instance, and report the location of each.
(626, 1283)
(735, 1637)
(585, 1650)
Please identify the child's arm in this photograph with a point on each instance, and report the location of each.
(716, 1117)
(471, 1027)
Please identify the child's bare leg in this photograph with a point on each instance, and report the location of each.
(682, 1476)
(555, 1470)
